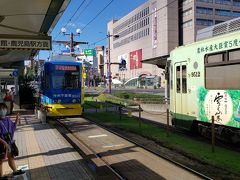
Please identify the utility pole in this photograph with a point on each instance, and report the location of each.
(109, 65)
(109, 61)
(71, 43)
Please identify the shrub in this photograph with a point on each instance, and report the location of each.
(26, 91)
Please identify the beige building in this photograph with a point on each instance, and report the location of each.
(151, 31)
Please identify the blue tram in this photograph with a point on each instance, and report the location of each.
(61, 88)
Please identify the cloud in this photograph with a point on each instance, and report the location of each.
(70, 24)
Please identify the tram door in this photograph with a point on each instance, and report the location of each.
(181, 88)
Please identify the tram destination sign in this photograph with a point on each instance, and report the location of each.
(25, 42)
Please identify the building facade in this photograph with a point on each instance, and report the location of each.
(148, 34)
(198, 14)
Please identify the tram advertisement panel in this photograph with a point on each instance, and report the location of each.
(136, 59)
(224, 105)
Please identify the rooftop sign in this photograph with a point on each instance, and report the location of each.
(25, 42)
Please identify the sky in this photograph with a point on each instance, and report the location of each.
(78, 15)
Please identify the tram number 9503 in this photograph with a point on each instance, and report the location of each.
(195, 74)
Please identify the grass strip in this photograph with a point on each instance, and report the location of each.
(142, 97)
(223, 158)
(90, 102)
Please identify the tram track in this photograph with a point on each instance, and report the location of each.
(184, 132)
(154, 152)
(114, 170)
(73, 140)
(192, 135)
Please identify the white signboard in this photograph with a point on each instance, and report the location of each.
(25, 42)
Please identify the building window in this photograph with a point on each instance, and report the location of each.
(204, 22)
(187, 12)
(203, 10)
(236, 2)
(206, 1)
(236, 14)
(136, 36)
(223, 2)
(221, 12)
(142, 14)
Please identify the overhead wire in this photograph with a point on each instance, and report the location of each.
(71, 18)
(85, 8)
(97, 14)
(141, 19)
(99, 41)
(103, 10)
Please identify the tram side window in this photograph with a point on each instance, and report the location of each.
(178, 79)
(47, 81)
(223, 75)
(42, 80)
(215, 58)
(171, 78)
(184, 79)
(234, 55)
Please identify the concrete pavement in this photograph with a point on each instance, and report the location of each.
(45, 154)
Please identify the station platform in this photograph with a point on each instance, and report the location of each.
(44, 153)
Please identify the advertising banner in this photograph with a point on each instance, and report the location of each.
(136, 59)
(223, 105)
(154, 25)
(124, 62)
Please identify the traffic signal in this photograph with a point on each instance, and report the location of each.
(122, 65)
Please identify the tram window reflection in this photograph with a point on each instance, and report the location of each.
(178, 79)
(66, 80)
(184, 79)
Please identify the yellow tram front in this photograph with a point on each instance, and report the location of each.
(61, 88)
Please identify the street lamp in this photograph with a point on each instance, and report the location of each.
(72, 43)
(109, 61)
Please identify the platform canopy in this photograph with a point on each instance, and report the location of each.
(158, 61)
(25, 26)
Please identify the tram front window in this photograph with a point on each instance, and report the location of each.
(65, 80)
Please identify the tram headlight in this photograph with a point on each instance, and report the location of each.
(74, 100)
(57, 101)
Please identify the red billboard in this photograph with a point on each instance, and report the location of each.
(135, 59)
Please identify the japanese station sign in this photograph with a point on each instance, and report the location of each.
(25, 42)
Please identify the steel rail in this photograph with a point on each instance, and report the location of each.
(158, 154)
(115, 172)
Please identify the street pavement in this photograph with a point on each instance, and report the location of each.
(45, 154)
